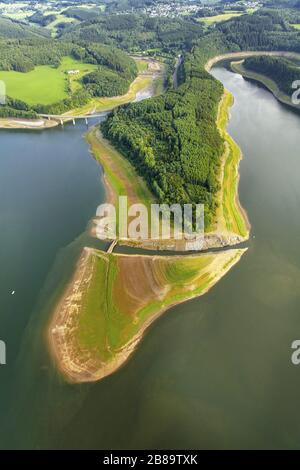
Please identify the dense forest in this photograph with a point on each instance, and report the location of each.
(103, 82)
(282, 71)
(264, 30)
(16, 108)
(24, 55)
(172, 140)
(40, 19)
(135, 33)
(81, 14)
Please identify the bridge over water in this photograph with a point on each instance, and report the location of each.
(64, 118)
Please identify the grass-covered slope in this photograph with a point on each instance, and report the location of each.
(44, 84)
(37, 79)
(230, 216)
(112, 299)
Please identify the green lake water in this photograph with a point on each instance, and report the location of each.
(214, 372)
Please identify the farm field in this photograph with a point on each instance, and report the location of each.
(45, 84)
(208, 20)
(217, 18)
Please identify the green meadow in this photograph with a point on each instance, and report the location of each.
(227, 15)
(45, 84)
(217, 18)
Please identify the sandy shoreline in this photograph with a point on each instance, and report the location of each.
(223, 130)
(56, 320)
(34, 124)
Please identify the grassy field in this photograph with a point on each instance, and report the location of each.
(296, 26)
(208, 20)
(112, 300)
(44, 84)
(227, 15)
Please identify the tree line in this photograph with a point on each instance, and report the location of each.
(282, 71)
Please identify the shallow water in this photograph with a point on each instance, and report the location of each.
(211, 373)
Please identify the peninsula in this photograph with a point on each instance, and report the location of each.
(113, 298)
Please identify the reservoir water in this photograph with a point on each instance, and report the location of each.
(215, 372)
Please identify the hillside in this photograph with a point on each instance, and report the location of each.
(137, 32)
(18, 30)
(49, 76)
